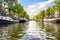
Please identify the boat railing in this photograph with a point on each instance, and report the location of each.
(6, 18)
(22, 18)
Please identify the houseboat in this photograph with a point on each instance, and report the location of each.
(5, 17)
(56, 18)
(7, 20)
(22, 19)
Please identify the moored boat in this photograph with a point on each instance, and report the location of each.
(21, 19)
(7, 20)
(56, 20)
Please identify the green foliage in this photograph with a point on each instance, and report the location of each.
(52, 11)
(3, 10)
(0, 1)
(49, 12)
(16, 9)
(42, 14)
(57, 5)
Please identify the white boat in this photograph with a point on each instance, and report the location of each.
(21, 19)
(7, 19)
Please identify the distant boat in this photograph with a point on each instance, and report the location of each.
(22, 19)
(7, 20)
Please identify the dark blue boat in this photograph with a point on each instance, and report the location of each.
(5, 21)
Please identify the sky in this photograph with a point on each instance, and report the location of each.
(33, 7)
(25, 3)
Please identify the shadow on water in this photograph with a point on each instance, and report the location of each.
(12, 31)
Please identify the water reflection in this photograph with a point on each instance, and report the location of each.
(30, 37)
(34, 32)
(31, 30)
(12, 31)
(51, 29)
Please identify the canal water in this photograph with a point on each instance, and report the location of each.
(31, 30)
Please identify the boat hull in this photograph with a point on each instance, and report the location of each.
(6, 21)
(22, 21)
(52, 20)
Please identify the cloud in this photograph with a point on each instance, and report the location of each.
(36, 8)
(19, 1)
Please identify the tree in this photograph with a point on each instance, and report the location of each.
(3, 10)
(52, 11)
(42, 14)
(48, 12)
(57, 6)
(16, 9)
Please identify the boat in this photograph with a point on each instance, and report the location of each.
(22, 19)
(55, 20)
(7, 20)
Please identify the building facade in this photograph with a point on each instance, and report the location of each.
(57, 14)
(6, 4)
(0, 7)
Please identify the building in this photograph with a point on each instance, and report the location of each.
(0, 7)
(7, 4)
(57, 14)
